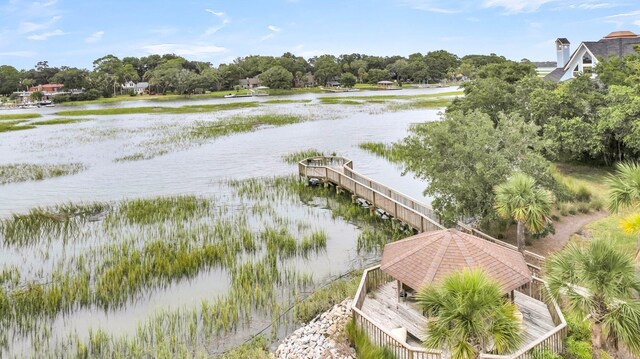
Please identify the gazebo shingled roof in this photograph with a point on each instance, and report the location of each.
(428, 257)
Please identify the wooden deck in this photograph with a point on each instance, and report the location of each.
(383, 308)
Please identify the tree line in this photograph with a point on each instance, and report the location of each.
(175, 74)
(513, 121)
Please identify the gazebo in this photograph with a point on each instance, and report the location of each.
(428, 257)
(385, 84)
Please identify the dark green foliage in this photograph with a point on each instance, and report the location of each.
(277, 77)
(464, 157)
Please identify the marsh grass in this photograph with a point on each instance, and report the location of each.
(19, 116)
(323, 299)
(60, 221)
(388, 152)
(239, 124)
(160, 110)
(285, 101)
(295, 157)
(8, 126)
(117, 254)
(418, 104)
(60, 121)
(22, 172)
(159, 209)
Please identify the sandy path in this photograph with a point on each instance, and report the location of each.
(565, 228)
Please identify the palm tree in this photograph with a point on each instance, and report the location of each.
(624, 191)
(518, 198)
(599, 282)
(469, 313)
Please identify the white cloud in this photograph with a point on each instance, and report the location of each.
(274, 30)
(517, 6)
(194, 50)
(216, 13)
(437, 6)
(95, 37)
(212, 30)
(164, 31)
(18, 53)
(622, 19)
(28, 26)
(46, 35)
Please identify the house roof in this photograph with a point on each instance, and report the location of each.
(563, 40)
(555, 75)
(620, 34)
(617, 43)
(617, 46)
(427, 258)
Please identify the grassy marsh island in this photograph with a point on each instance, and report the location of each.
(21, 172)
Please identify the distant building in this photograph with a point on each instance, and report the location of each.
(137, 88)
(249, 83)
(585, 58)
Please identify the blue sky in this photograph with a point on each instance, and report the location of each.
(76, 32)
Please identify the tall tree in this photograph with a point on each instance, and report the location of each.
(519, 199)
(600, 283)
(463, 157)
(9, 80)
(277, 77)
(468, 313)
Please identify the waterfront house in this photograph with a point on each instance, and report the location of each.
(249, 83)
(589, 53)
(137, 88)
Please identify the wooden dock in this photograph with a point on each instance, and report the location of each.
(338, 171)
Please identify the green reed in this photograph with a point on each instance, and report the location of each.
(21, 172)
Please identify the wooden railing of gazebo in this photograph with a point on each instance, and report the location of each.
(373, 278)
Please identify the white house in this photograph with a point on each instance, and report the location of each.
(137, 88)
(588, 53)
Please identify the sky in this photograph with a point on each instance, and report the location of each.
(76, 32)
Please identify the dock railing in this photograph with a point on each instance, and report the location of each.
(339, 171)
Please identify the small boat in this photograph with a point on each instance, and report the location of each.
(230, 95)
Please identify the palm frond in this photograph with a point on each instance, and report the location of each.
(623, 323)
(624, 186)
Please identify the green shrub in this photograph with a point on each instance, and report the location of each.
(323, 299)
(364, 347)
(583, 207)
(256, 348)
(577, 349)
(596, 204)
(581, 193)
(578, 329)
(578, 345)
(545, 354)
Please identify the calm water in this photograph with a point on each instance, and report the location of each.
(200, 169)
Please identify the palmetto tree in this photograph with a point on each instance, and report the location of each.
(599, 282)
(469, 314)
(624, 191)
(529, 206)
